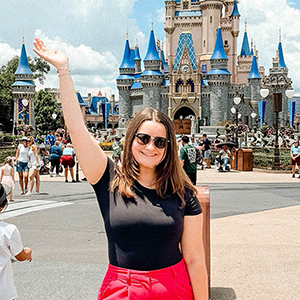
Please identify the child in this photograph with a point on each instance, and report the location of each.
(10, 245)
(7, 175)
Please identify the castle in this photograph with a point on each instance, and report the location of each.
(199, 73)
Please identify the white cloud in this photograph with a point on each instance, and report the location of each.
(264, 19)
(160, 15)
(89, 68)
(7, 53)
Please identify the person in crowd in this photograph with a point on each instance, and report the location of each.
(295, 157)
(152, 216)
(68, 161)
(206, 150)
(117, 149)
(55, 155)
(223, 159)
(50, 139)
(22, 159)
(188, 157)
(10, 246)
(7, 175)
(35, 165)
(194, 142)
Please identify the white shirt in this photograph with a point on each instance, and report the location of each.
(10, 245)
(23, 153)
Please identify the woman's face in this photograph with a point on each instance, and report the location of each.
(149, 156)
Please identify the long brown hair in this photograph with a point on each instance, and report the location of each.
(170, 175)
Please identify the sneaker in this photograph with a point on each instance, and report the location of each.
(28, 193)
(35, 193)
(73, 180)
(293, 176)
(57, 175)
(22, 193)
(51, 174)
(66, 180)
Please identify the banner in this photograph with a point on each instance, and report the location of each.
(103, 111)
(108, 105)
(261, 111)
(292, 110)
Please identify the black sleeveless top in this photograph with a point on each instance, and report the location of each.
(143, 233)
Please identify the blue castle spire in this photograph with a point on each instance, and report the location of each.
(152, 53)
(245, 46)
(219, 52)
(254, 74)
(137, 53)
(235, 11)
(23, 67)
(126, 57)
(280, 52)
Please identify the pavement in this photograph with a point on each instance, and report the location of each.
(254, 255)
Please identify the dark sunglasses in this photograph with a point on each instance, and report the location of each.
(144, 139)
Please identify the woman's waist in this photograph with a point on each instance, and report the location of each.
(167, 272)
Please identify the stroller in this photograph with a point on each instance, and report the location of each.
(45, 168)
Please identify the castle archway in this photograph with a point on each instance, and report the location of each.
(183, 120)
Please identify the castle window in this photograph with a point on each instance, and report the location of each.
(185, 5)
(179, 86)
(191, 86)
(210, 19)
(204, 44)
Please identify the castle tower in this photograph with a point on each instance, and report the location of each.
(219, 80)
(235, 30)
(137, 60)
(124, 83)
(23, 91)
(244, 60)
(152, 78)
(278, 81)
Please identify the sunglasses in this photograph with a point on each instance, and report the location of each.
(144, 139)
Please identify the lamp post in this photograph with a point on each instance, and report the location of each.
(234, 110)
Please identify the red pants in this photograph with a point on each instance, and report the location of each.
(170, 283)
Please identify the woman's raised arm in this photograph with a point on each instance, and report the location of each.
(91, 157)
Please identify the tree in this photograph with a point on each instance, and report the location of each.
(38, 67)
(45, 106)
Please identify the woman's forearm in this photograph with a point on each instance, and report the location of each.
(198, 277)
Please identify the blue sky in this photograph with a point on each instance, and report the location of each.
(93, 32)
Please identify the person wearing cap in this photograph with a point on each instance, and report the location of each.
(22, 159)
(10, 246)
(295, 157)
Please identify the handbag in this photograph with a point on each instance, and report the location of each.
(60, 169)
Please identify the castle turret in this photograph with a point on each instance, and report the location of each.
(211, 15)
(235, 31)
(254, 80)
(152, 78)
(244, 60)
(124, 83)
(137, 60)
(23, 91)
(218, 80)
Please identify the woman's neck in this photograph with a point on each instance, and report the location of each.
(147, 178)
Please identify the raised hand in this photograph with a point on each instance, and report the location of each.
(56, 58)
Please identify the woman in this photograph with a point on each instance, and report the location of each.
(35, 166)
(153, 219)
(68, 162)
(55, 155)
(295, 157)
(22, 159)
